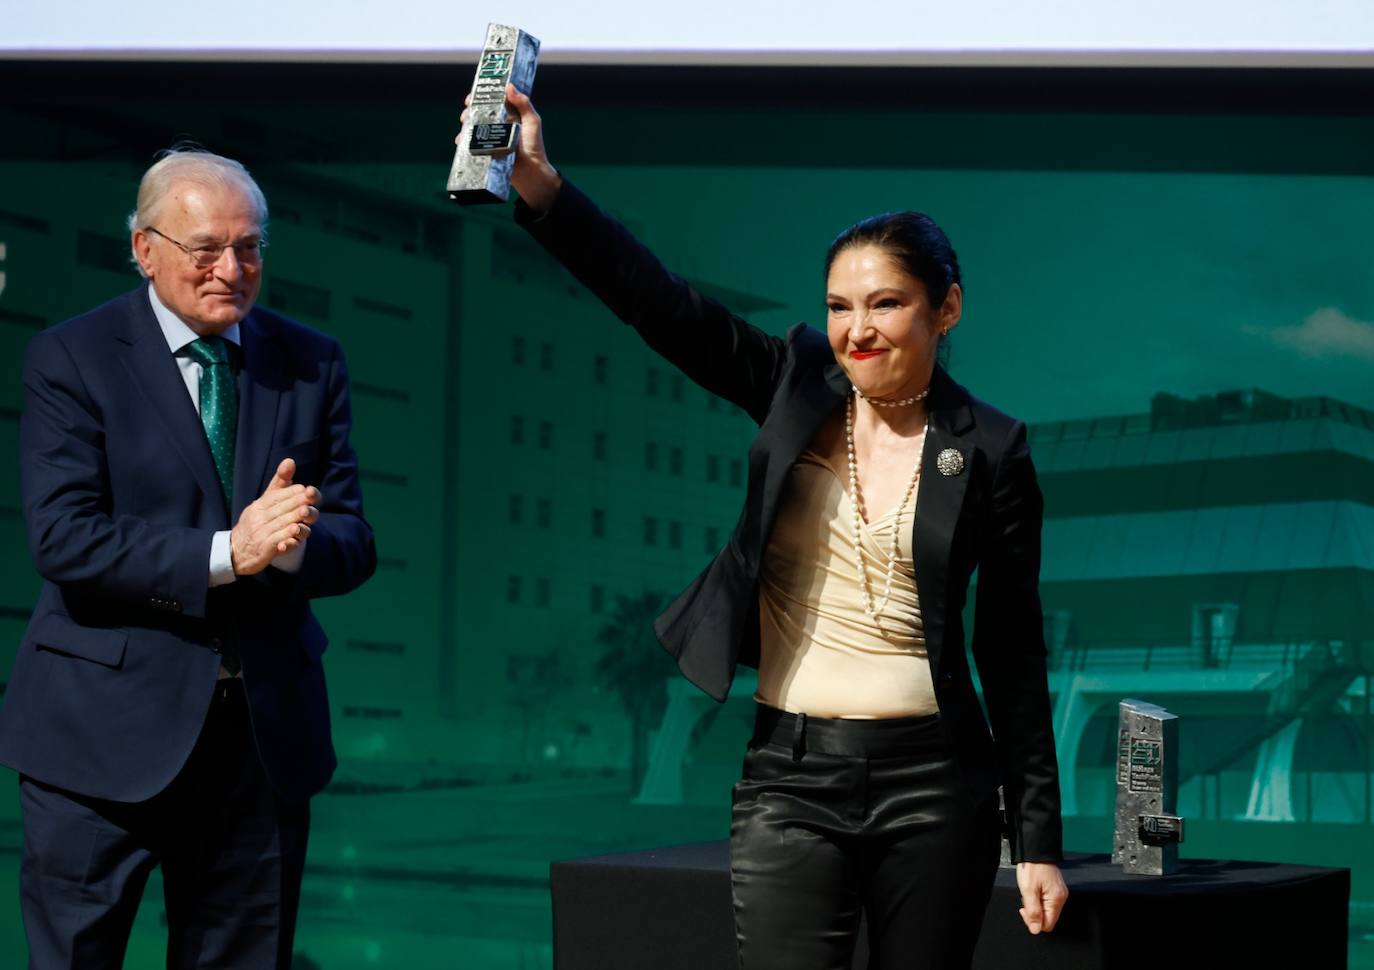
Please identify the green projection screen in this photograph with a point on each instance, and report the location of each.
(1167, 275)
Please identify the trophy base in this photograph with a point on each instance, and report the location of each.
(475, 197)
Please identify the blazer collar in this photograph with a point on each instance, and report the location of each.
(949, 404)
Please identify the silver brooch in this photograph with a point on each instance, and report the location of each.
(950, 462)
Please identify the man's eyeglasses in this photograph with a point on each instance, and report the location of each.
(246, 251)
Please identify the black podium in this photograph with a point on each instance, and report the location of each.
(669, 909)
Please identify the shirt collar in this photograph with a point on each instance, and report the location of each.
(175, 331)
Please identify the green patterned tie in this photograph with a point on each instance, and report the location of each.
(219, 412)
(219, 406)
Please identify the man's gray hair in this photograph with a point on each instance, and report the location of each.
(184, 163)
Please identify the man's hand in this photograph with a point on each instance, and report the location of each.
(276, 522)
(1042, 894)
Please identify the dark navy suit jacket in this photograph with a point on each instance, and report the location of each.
(116, 670)
(986, 517)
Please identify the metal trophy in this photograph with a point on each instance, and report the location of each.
(1148, 830)
(486, 147)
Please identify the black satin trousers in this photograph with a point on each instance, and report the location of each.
(834, 817)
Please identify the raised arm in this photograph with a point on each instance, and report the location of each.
(711, 345)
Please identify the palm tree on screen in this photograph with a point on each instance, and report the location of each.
(635, 669)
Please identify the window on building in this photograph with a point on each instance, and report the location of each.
(651, 382)
(546, 356)
(651, 456)
(598, 599)
(712, 539)
(599, 522)
(676, 386)
(542, 595)
(650, 531)
(512, 589)
(675, 461)
(736, 472)
(675, 535)
(543, 514)
(546, 435)
(517, 349)
(599, 445)
(713, 468)
(517, 429)
(517, 509)
(1214, 630)
(599, 367)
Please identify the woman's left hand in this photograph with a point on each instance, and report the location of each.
(1042, 894)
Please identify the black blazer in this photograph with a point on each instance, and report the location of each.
(988, 517)
(118, 665)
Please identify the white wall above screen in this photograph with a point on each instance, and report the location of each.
(1237, 32)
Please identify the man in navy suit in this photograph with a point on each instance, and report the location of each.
(188, 487)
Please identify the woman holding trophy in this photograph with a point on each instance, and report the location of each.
(876, 486)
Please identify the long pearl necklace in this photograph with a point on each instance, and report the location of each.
(858, 507)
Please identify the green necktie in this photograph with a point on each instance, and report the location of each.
(219, 412)
(219, 406)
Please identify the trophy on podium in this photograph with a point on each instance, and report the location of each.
(1148, 830)
(486, 147)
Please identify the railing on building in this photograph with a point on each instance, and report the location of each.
(1282, 657)
(1171, 413)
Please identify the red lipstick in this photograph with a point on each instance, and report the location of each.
(864, 354)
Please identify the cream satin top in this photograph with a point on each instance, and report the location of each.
(821, 654)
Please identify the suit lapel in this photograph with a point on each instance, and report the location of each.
(155, 373)
(939, 500)
(818, 400)
(260, 383)
(815, 401)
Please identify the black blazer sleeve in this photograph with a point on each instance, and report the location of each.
(1009, 650)
(703, 339)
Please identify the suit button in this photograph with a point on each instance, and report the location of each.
(947, 676)
(216, 644)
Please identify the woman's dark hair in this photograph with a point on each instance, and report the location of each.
(913, 239)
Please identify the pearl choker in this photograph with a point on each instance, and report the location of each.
(891, 404)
